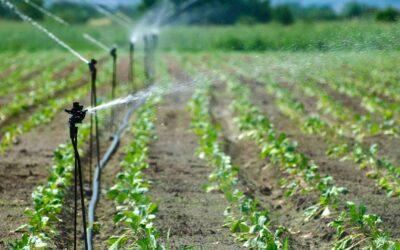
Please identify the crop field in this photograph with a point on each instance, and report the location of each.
(216, 147)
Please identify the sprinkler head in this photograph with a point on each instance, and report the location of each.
(154, 37)
(77, 114)
(113, 51)
(92, 65)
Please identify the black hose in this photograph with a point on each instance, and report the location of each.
(97, 174)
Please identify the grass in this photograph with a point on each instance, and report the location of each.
(322, 36)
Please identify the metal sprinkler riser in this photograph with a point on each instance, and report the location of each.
(77, 115)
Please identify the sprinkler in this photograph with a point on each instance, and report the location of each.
(131, 63)
(93, 121)
(113, 53)
(147, 48)
(154, 45)
(77, 115)
(154, 36)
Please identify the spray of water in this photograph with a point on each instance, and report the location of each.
(124, 17)
(96, 42)
(116, 18)
(151, 21)
(44, 11)
(146, 93)
(160, 15)
(26, 18)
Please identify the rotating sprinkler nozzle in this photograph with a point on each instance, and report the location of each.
(92, 67)
(77, 115)
(113, 52)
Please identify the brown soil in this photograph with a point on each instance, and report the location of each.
(23, 169)
(191, 216)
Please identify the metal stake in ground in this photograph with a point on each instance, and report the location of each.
(154, 45)
(113, 53)
(131, 64)
(77, 116)
(147, 48)
(93, 121)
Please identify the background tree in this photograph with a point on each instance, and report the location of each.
(74, 12)
(388, 15)
(30, 11)
(358, 10)
(283, 14)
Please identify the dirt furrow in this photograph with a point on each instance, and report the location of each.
(188, 214)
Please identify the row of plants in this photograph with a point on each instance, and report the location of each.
(135, 212)
(368, 100)
(298, 75)
(9, 62)
(48, 200)
(372, 84)
(306, 178)
(44, 114)
(32, 69)
(385, 173)
(342, 144)
(243, 216)
(46, 90)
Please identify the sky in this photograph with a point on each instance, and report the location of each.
(338, 4)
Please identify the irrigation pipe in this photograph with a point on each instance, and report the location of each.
(97, 175)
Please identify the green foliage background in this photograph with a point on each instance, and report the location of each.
(302, 36)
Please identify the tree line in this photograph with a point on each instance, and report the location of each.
(221, 12)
